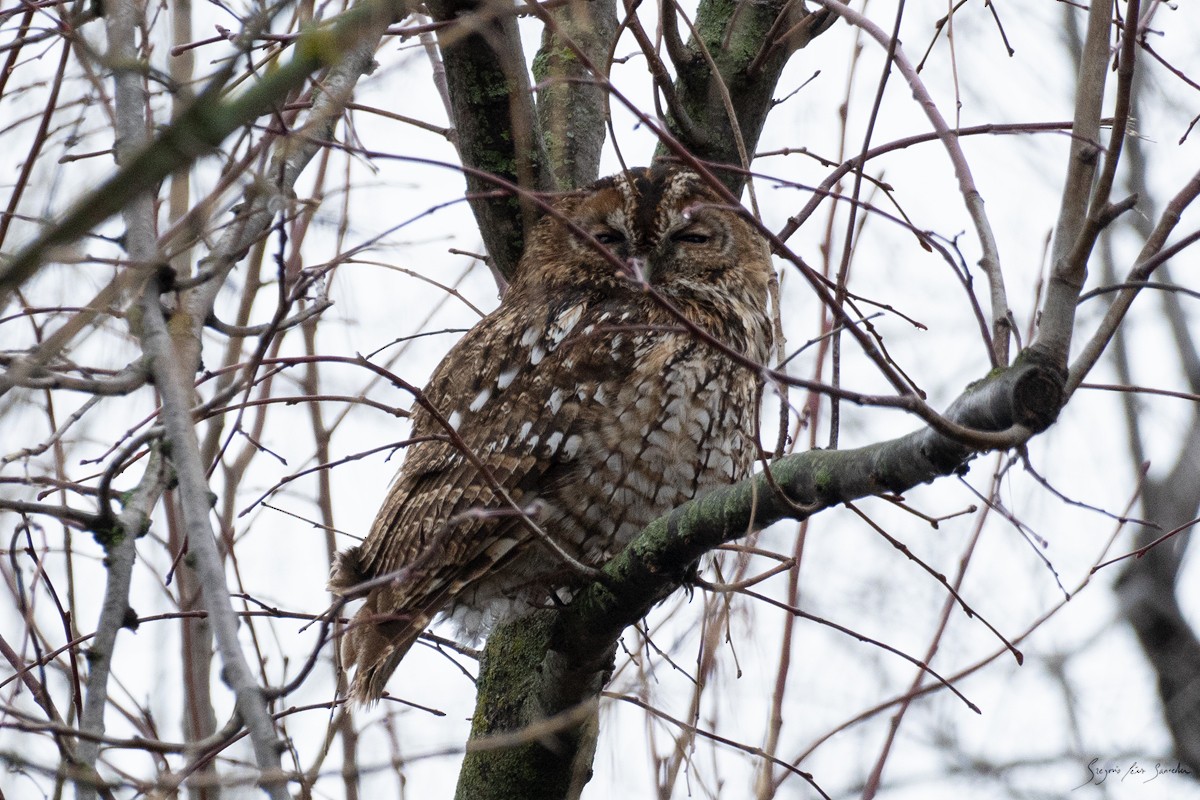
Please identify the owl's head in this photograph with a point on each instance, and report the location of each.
(663, 225)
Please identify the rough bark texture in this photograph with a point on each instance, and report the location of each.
(745, 42)
(526, 685)
(495, 126)
(571, 101)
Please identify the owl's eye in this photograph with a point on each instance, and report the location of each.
(609, 237)
(691, 237)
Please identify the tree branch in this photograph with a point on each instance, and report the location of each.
(565, 656)
(989, 260)
(746, 69)
(121, 20)
(1066, 279)
(495, 124)
(572, 103)
(198, 131)
(196, 502)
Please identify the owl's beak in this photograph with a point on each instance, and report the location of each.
(639, 268)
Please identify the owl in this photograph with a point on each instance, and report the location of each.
(583, 405)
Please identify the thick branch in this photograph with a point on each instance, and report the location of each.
(122, 19)
(563, 657)
(571, 101)
(749, 47)
(495, 125)
(1066, 279)
(196, 502)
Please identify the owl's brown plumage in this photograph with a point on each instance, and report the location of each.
(588, 402)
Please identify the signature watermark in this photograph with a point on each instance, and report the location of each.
(1136, 771)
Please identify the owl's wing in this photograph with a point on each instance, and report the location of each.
(511, 389)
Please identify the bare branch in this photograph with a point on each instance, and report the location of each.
(989, 260)
(1066, 281)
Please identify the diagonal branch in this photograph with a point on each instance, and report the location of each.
(198, 131)
(566, 656)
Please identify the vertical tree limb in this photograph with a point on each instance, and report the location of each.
(572, 103)
(121, 22)
(747, 68)
(175, 389)
(1066, 279)
(132, 523)
(1148, 587)
(495, 123)
(173, 351)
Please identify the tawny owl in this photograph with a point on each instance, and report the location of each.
(582, 400)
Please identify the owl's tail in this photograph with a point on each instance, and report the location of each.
(379, 636)
(374, 644)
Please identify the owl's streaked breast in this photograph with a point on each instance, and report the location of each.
(679, 422)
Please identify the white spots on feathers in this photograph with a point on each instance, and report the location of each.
(455, 420)
(660, 439)
(480, 399)
(564, 324)
(614, 347)
(542, 342)
(571, 447)
(506, 378)
(641, 483)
